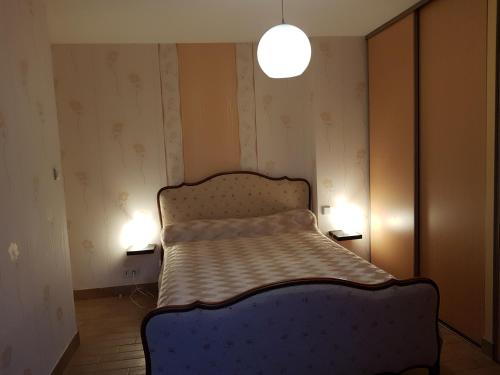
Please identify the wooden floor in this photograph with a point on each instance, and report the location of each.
(111, 343)
(110, 340)
(460, 357)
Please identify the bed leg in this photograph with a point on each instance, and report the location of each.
(435, 370)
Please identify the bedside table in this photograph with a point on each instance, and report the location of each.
(149, 249)
(340, 235)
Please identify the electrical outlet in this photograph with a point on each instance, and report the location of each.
(130, 273)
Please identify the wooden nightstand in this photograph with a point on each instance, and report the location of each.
(150, 249)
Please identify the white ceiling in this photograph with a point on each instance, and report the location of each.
(146, 21)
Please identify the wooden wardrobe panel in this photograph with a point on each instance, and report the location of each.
(391, 69)
(210, 130)
(452, 136)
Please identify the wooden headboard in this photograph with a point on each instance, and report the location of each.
(232, 195)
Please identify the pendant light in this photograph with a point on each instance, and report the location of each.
(284, 51)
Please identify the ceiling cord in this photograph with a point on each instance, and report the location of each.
(282, 13)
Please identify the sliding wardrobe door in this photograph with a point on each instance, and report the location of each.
(452, 161)
(391, 69)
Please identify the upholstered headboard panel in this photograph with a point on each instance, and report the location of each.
(232, 195)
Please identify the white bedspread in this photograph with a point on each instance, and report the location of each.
(213, 260)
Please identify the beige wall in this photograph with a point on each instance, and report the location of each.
(340, 120)
(36, 301)
(315, 126)
(117, 144)
(113, 153)
(246, 106)
(181, 21)
(284, 129)
(172, 127)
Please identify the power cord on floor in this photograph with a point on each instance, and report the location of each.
(138, 290)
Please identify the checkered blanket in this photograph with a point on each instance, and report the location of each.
(213, 260)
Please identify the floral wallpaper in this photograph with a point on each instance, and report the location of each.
(114, 155)
(169, 75)
(285, 137)
(315, 126)
(36, 308)
(122, 139)
(338, 96)
(246, 106)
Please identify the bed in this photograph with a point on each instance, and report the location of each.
(250, 286)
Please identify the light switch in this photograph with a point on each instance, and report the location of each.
(325, 210)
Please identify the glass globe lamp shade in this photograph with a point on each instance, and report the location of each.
(284, 51)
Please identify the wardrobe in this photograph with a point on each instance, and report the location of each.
(428, 135)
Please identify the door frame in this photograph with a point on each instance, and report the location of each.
(496, 204)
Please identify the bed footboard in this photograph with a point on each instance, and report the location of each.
(312, 326)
